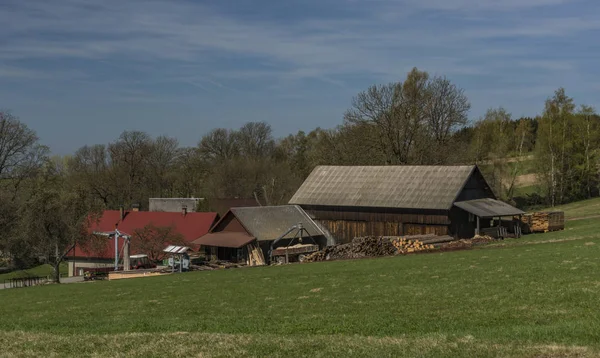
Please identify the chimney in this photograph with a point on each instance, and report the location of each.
(135, 207)
(184, 210)
(122, 212)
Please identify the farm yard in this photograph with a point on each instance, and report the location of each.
(529, 297)
(296, 185)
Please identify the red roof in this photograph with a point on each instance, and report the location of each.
(190, 226)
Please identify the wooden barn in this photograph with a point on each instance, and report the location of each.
(352, 201)
(243, 234)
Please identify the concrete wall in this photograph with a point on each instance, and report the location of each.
(174, 204)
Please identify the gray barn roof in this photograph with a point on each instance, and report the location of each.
(410, 187)
(488, 208)
(270, 222)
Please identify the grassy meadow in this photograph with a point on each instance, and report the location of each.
(38, 271)
(530, 297)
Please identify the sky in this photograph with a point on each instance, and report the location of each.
(81, 72)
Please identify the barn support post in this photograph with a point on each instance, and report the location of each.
(477, 228)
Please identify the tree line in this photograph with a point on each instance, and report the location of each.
(45, 200)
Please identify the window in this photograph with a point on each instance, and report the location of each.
(471, 217)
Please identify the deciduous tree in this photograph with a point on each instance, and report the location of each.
(152, 240)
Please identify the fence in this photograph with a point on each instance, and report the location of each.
(24, 282)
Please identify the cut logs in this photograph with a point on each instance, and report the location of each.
(371, 246)
(405, 246)
(544, 221)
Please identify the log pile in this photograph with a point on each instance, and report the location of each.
(544, 221)
(424, 239)
(404, 246)
(370, 246)
(215, 265)
(360, 247)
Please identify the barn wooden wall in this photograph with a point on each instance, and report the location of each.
(348, 223)
(344, 231)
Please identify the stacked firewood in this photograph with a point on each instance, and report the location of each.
(405, 246)
(545, 221)
(359, 247)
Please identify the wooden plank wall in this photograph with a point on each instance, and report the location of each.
(347, 223)
(416, 229)
(344, 231)
(438, 217)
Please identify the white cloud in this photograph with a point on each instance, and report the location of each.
(137, 31)
(478, 5)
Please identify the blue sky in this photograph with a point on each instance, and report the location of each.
(80, 72)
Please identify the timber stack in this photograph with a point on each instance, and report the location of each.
(404, 246)
(360, 247)
(544, 221)
(371, 246)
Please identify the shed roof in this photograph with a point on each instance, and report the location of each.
(409, 187)
(231, 239)
(270, 222)
(488, 208)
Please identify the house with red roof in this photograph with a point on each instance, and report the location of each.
(98, 253)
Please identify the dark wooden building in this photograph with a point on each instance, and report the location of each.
(352, 201)
(242, 231)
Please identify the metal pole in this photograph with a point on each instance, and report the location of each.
(126, 263)
(116, 251)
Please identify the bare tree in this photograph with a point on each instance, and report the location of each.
(161, 161)
(411, 121)
(446, 111)
(219, 144)
(190, 172)
(56, 218)
(91, 168)
(256, 140)
(382, 109)
(21, 155)
(129, 158)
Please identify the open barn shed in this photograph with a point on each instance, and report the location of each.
(244, 233)
(353, 201)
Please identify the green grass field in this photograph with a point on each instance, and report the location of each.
(39, 271)
(580, 209)
(530, 297)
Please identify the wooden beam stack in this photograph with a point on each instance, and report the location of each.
(544, 221)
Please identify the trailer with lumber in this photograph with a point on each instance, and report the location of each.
(292, 252)
(543, 221)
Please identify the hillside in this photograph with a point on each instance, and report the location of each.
(527, 297)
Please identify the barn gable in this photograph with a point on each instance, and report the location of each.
(406, 187)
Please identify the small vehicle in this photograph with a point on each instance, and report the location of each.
(138, 262)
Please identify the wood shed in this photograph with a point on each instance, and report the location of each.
(353, 201)
(245, 234)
